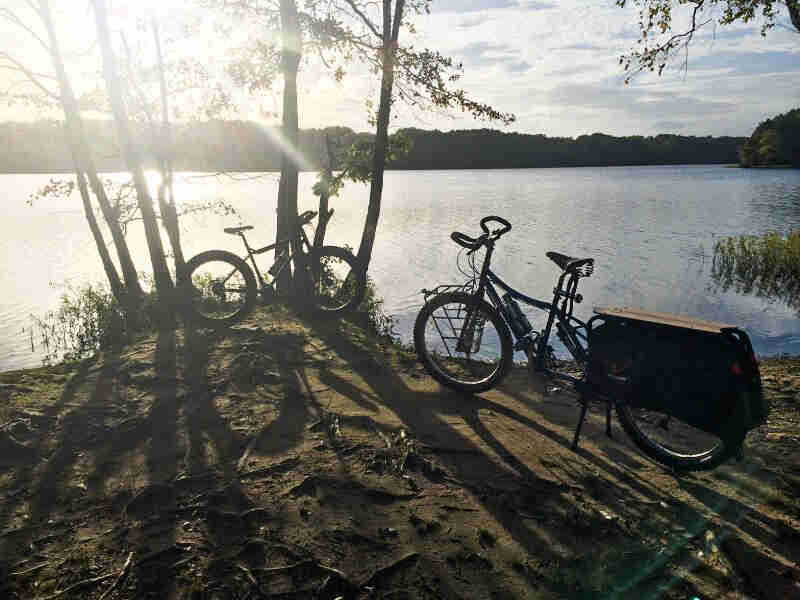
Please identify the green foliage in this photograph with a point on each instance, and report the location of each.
(775, 141)
(374, 318)
(87, 319)
(767, 266)
(357, 161)
(658, 42)
(487, 148)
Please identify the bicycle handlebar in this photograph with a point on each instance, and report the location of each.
(498, 232)
(462, 239)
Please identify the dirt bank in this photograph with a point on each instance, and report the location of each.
(288, 459)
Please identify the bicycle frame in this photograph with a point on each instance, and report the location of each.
(559, 311)
(283, 259)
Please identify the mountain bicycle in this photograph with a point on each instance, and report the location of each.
(224, 290)
(685, 390)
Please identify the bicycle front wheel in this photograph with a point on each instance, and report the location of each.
(462, 342)
(222, 288)
(672, 442)
(337, 282)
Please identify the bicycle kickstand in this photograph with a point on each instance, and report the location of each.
(584, 408)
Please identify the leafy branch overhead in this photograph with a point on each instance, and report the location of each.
(660, 38)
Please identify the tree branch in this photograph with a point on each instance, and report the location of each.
(364, 18)
(9, 15)
(28, 73)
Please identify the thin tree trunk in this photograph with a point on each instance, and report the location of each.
(108, 265)
(287, 187)
(166, 197)
(131, 155)
(794, 12)
(322, 215)
(391, 31)
(81, 154)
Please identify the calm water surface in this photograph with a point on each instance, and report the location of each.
(651, 231)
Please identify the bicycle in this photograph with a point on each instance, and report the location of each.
(224, 289)
(465, 335)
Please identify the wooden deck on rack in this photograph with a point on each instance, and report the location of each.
(660, 318)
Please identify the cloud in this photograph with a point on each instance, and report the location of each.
(747, 63)
(537, 5)
(641, 102)
(473, 22)
(519, 66)
(585, 46)
(463, 6)
(484, 54)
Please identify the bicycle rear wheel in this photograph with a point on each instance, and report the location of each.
(223, 289)
(337, 282)
(672, 442)
(462, 342)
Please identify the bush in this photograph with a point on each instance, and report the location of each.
(377, 320)
(88, 318)
(767, 265)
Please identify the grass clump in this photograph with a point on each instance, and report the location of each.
(766, 265)
(87, 319)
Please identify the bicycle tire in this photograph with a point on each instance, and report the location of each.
(245, 291)
(338, 283)
(500, 350)
(672, 457)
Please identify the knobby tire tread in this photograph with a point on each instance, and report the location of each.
(250, 281)
(361, 282)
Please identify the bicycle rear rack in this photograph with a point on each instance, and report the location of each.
(467, 287)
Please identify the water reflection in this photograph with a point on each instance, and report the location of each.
(766, 266)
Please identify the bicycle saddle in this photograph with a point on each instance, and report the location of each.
(235, 230)
(583, 267)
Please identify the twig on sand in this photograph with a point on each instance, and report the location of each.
(81, 584)
(126, 568)
(390, 569)
(309, 563)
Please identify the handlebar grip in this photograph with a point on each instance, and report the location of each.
(506, 225)
(462, 239)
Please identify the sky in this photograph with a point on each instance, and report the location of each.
(555, 65)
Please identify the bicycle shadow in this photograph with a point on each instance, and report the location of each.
(506, 484)
(612, 474)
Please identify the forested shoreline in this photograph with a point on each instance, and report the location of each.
(40, 147)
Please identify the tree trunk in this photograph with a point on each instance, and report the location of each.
(323, 215)
(131, 155)
(108, 265)
(794, 12)
(81, 155)
(287, 187)
(391, 30)
(166, 197)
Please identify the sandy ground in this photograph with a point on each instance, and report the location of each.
(287, 459)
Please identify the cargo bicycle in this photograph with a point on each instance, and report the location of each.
(685, 391)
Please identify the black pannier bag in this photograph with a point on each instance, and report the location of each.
(706, 376)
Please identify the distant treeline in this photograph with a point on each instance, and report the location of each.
(775, 142)
(245, 146)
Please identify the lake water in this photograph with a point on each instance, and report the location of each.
(651, 231)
